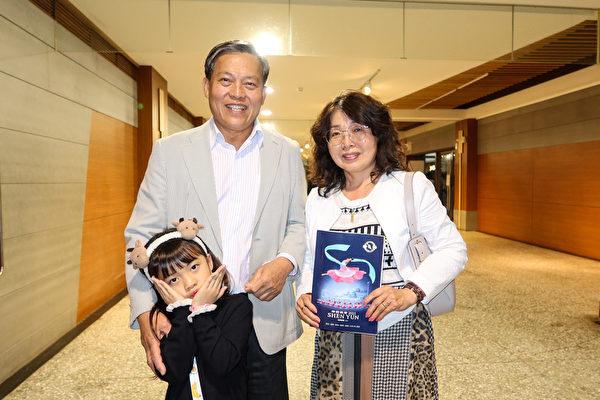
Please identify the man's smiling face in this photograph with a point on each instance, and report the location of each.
(235, 93)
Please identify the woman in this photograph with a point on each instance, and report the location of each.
(358, 168)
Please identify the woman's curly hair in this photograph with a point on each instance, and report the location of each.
(365, 110)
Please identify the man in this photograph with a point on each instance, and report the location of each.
(246, 185)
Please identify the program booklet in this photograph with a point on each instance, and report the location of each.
(347, 268)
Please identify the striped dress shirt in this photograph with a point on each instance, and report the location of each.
(237, 181)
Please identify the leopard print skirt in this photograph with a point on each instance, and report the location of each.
(403, 362)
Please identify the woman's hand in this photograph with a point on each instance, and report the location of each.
(168, 294)
(211, 289)
(386, 299)
(307, 311)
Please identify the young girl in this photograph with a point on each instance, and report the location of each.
(205, 350)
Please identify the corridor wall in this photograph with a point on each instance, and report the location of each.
(66, 114)
(434, 140)
(538, 180)
(177, 123)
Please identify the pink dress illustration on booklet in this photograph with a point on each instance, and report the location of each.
(345, 273)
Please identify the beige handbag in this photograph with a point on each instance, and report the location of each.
(444, 301)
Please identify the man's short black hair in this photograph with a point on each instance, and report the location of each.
(234, 46)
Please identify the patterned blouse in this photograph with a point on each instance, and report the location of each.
(357, 217)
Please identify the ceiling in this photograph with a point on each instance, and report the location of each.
(556, 55)
(323, 47)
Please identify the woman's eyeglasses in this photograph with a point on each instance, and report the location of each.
(356, 133)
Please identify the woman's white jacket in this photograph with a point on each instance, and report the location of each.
(449, 251)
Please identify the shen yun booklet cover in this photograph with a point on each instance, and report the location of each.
(347, 268)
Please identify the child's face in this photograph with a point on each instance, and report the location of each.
(187, 280)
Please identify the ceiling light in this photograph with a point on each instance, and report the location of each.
(269, 90)
(267, 43)
(266, 113)
(366, 87)
(307, 146)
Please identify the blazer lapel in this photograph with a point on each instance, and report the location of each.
(270, 156)
(200, 169)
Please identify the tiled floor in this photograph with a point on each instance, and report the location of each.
(524, 328)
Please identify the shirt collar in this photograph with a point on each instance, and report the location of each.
(216, 137)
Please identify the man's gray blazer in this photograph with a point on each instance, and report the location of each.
(179, 182)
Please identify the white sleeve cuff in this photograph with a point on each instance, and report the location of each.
(179, 303)
(204, 308)
(291, 259)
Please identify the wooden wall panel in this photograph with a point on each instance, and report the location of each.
(548, 196)
(102, 266)
(506, 218)
(506, 175)
(568, 174)
(111, 180)
(573, 229)
(110, 195)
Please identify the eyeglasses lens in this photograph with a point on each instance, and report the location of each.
(356, 134)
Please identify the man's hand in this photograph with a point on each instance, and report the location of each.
(307, 311)
(267, 282)
(150, 341)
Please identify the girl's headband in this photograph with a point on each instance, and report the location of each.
(186, 229)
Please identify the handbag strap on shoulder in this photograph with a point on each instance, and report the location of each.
(409, 203)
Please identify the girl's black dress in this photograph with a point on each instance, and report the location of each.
(219, 341)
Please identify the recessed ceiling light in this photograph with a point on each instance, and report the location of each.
(266, 113)
(269, 90)
(307, 146)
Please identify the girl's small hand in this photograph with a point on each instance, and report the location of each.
(211, 289)
(168, 294)
(386, 299)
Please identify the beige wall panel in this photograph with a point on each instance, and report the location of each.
(102, 262)
(23, 55)
(437, 139)
(583, 131)
(35, 257)
(570, 113)
(28, 16)
(68, 79)
(177, 123)
(73, 48)
(506, 176)
(31, 208)
(111, 180)
(34, 342)
(27, 108)
(557, 101)
(510, 219)
(498, 128)
(38, 305)
(574, 229)
(27, 158)
(120, 79)
(566, 175)
(571, 118)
